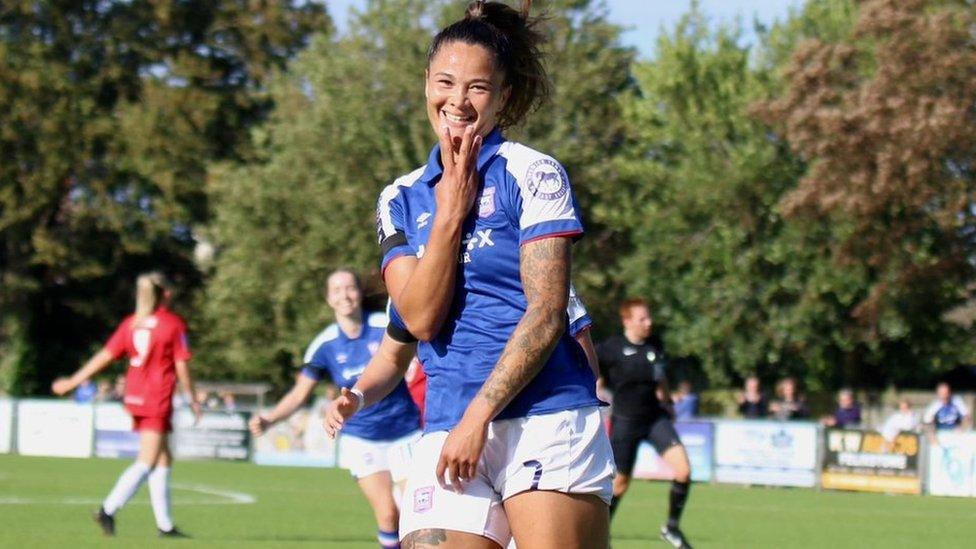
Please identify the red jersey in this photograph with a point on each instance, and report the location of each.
(416, 379)
(153, 346)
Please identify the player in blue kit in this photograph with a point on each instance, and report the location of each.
(477, 257)
(340, 353)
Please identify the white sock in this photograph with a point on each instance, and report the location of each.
(159, 495)
(126, 487)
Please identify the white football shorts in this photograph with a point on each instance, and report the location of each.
(364, 457)
(565, 451)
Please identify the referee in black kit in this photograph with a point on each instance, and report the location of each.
(632, 367)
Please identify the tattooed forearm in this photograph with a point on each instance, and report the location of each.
(544, 266)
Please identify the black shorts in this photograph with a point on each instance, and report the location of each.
(627, 434)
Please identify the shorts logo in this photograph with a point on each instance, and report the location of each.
(547, 179)
(486, 204)
(423, 499)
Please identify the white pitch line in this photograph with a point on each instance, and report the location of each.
(229, 498)
(239, 498)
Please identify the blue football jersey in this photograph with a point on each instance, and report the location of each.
(335, 355)
(524, 195)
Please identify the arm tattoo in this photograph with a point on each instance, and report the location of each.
(422, 539)
(544, 266)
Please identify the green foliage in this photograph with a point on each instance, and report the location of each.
(349, 119)
(109, 114)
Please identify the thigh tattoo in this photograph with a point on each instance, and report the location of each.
(422, 539)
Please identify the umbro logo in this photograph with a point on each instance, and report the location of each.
(630, 351)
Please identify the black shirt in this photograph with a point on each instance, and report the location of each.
(754, 410)
(632, 372)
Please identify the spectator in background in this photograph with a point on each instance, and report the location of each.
(118, 391)
(753, 403)
(947, 411)
(85, 392)
(228, 400)
(104, 393)
(685, 402)
(848, 412)
(790, 404)
(904, 419)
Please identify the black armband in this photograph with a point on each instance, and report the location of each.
(398, 238)
(400, 335)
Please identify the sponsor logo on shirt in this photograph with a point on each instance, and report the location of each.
(547, 179)
(354, 372)
(486, 204)
(341, 358)
(423, 499)
(423, 219)
(474, 241)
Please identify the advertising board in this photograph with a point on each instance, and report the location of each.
(774, 453)
(864, 461)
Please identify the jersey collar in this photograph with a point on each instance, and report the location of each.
(489, 148)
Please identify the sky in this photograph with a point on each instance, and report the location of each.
(645, 18)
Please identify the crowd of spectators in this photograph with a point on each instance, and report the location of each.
(946, 411)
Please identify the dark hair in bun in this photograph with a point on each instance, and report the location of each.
(511, 36)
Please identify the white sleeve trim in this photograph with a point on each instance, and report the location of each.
(328, 334)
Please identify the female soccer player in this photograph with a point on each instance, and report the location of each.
(154, 339)
(340, 353)
(476, 257)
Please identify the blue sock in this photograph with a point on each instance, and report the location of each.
(388, 540)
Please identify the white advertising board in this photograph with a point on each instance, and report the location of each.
(54, 428)
(6, 425)
(952, 465)
(773, 453)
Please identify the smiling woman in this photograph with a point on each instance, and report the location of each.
(513, 442)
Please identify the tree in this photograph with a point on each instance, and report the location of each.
(349, 119)
(109, 113)
(885, 118)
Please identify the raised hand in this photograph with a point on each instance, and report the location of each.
(340, 410)
(458, 186)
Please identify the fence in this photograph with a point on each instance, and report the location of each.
(759, 452)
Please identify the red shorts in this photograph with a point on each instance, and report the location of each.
(156, 424)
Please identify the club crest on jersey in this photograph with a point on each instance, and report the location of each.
(486, 204)
(423, 499)
(341, 358)
(651, 356)
(547, 179)
(373, 346)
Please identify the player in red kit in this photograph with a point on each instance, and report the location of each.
(154, 340)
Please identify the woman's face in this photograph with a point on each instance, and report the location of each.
(463, 88)
(343, 294)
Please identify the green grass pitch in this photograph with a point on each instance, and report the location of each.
(47, 502)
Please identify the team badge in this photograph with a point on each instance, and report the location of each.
(341, 358)
(651, 356)
(423, 499)
(486, 204)
(373, 346)
(547, 179)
